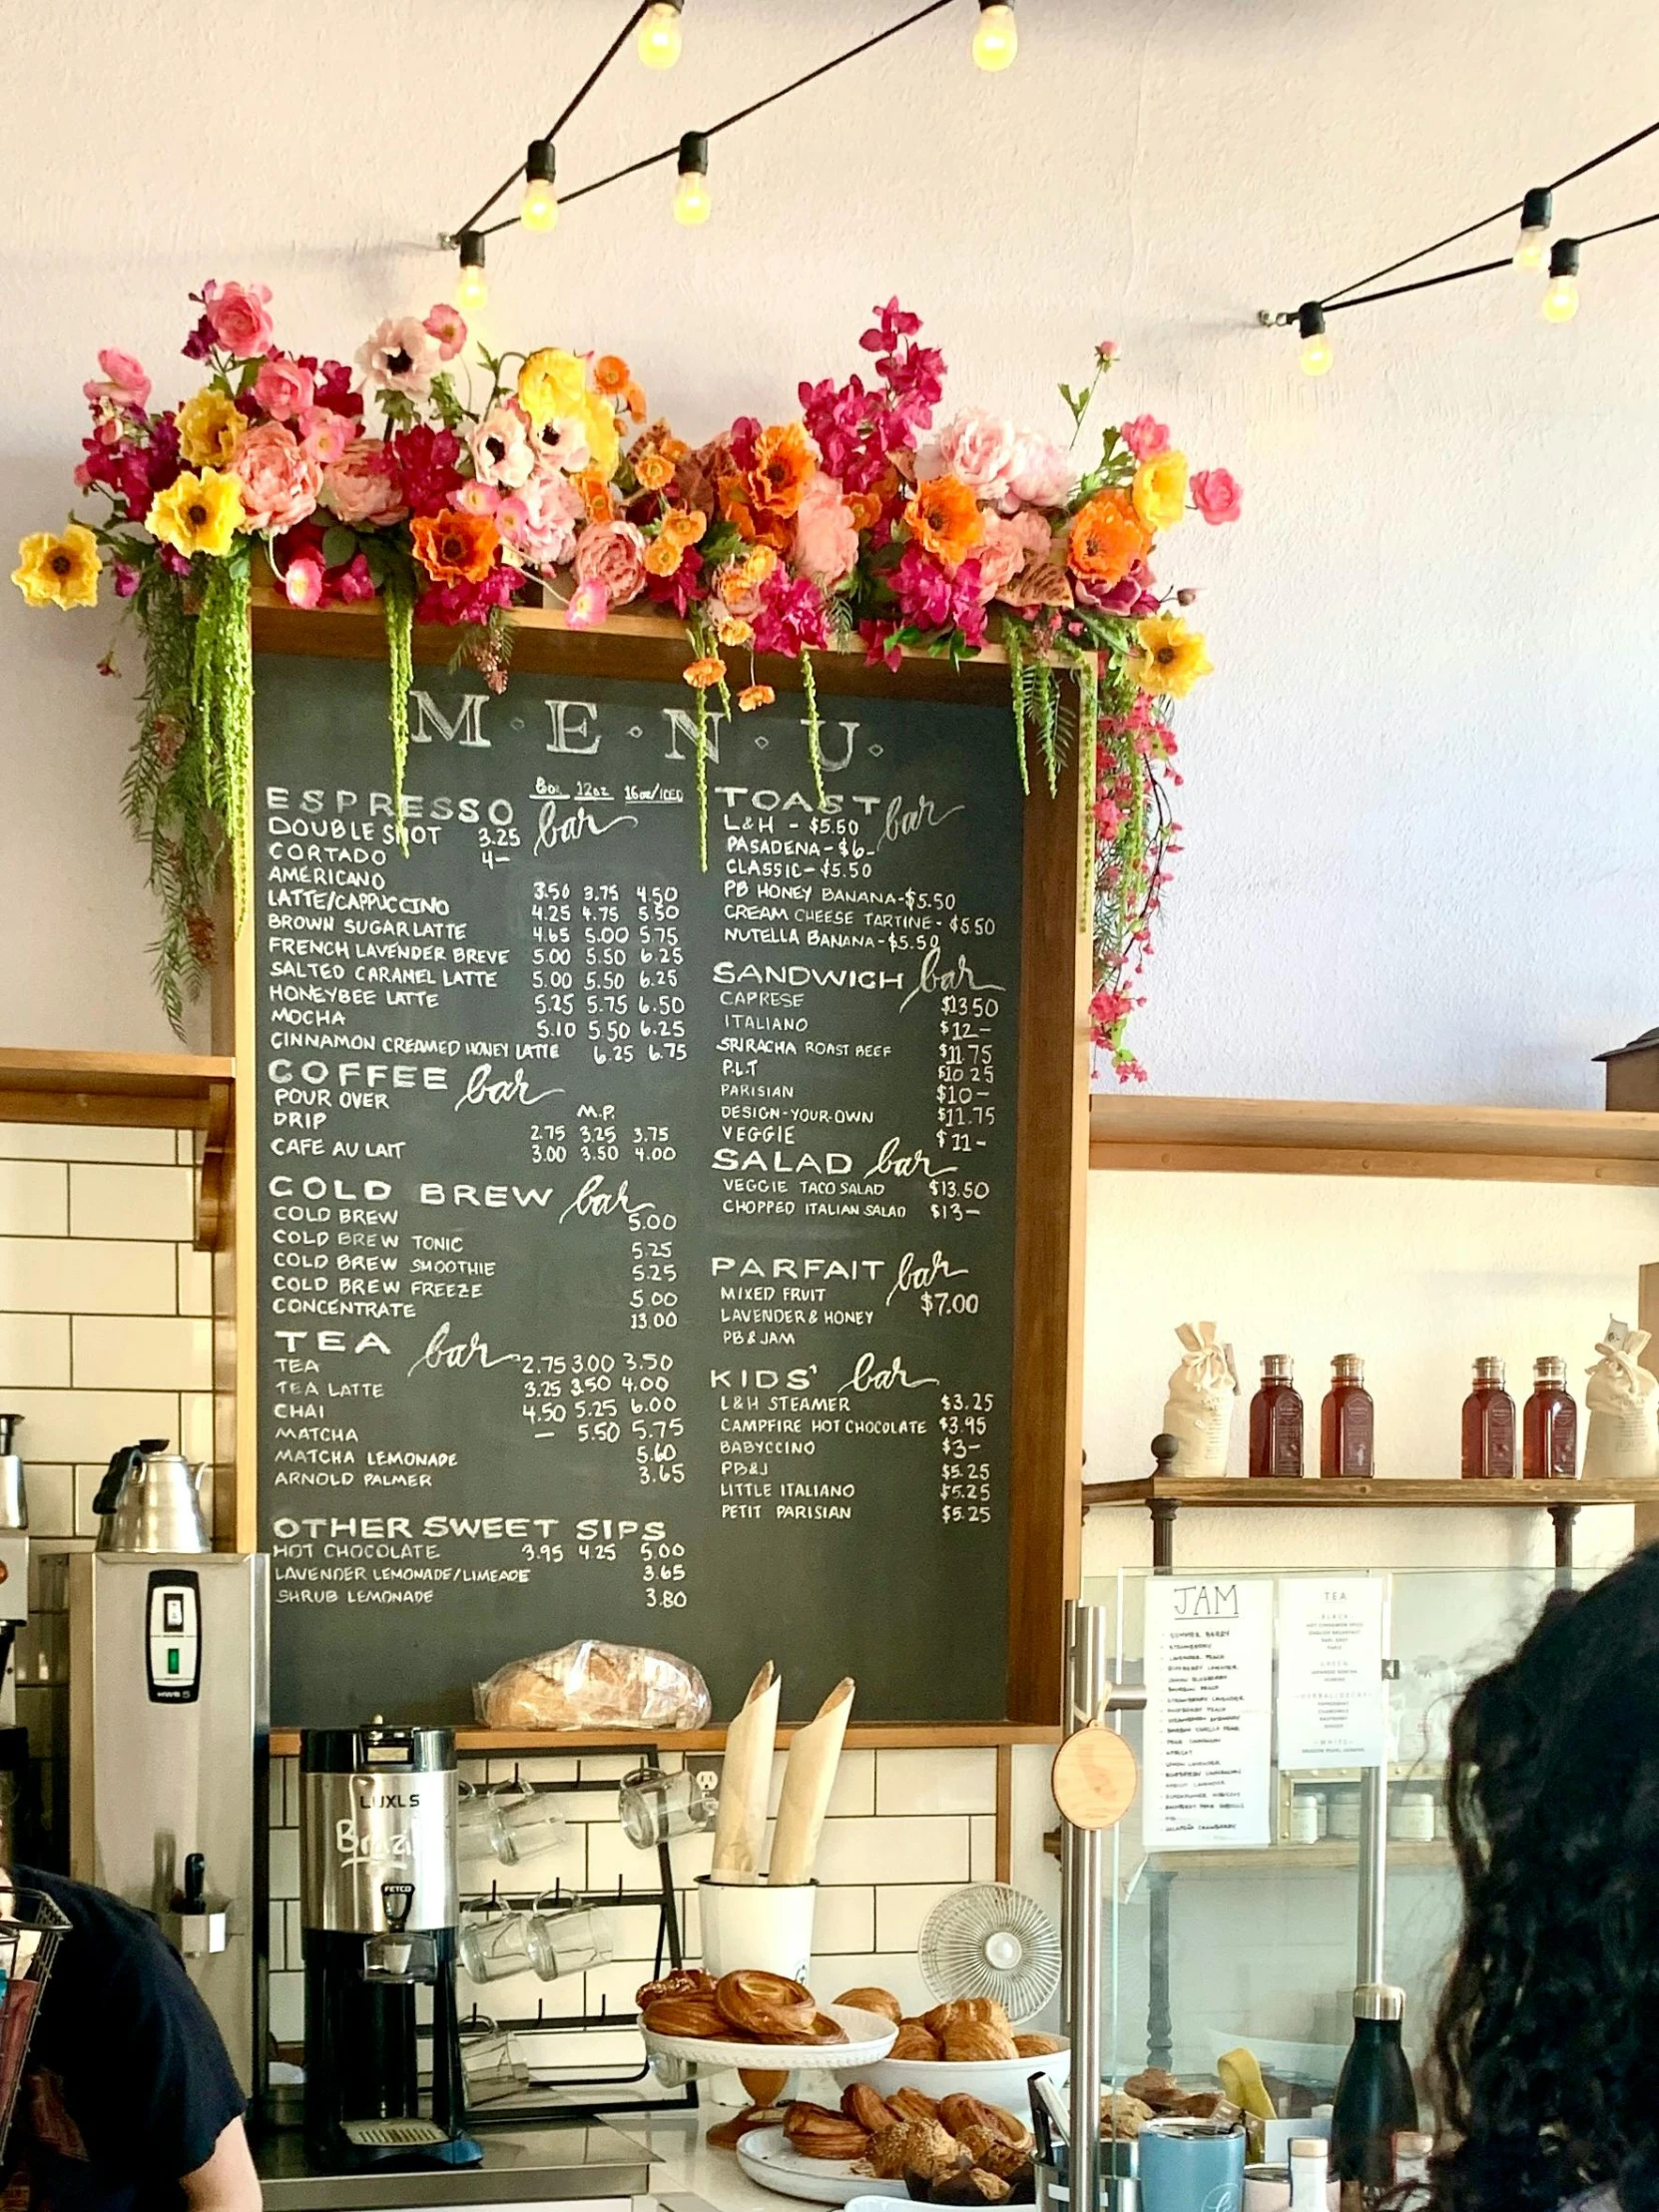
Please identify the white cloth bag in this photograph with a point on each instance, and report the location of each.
(1203, 1391)
(1622, 1399)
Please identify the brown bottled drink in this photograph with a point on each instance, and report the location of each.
(1549, 1426)
(1275, 1421)
(1348, 1420)
(1488, 1425)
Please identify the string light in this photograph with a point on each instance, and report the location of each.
(472, 293)
(1560, 302)
(692, 204)
(540, 209)
(1316, 346)
(658, 40)
(997, 35)
(1537, 208)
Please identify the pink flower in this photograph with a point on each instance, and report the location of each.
(125, 386)
(353, 581)
(826, 536)
(791, 614)
(1217, 494)
(303, 582)
(281, 481)
(126, 579)
(930, 598)
(324, 435)
(1010, 540)
(475, 498)
(501, 449)
(400, 356)
(1144, 437)
(445, 324)
(236, 314)
(609, 553)
(1040, 474)
(563, 443)
(538, 523)
(1106, 352)
(589, 605)
(980, 448)
(362, 485)
(283, 387)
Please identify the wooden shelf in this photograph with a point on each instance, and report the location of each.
(1277, 1857)
(1291, 1136)
(142, 1090)
(475, 1743)
(1383, 1490)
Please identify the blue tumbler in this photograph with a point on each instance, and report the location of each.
(1187, 2167)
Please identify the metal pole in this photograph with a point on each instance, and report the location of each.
(1086, 1696)
(1068, 1637)
(1373, 1872)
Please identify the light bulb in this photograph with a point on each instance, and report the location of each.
(692, 202)
(1316, 346)
(1537, 208)
(997, 35)
(473, 291)
(658, 40)
(1560, 302)
(540, 209)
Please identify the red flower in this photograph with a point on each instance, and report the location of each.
(427, 462)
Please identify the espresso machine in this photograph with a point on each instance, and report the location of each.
(379, 1906)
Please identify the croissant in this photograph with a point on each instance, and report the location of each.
(994, 2154)
(874, 2000)
(767, 2005)
(915, 2105)
(958, 2010)
(822, 2030)
(914, 2041)
(918, 2147)
(867, 2110)
(1157, 2088)
(970, 2042)
(1122, 2117)
(685, 1981)
(697, 2017)
(959, 2113)
(817, 2132)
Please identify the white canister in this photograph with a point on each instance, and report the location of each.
(1343, 1814)
(1412, 1817)
(1307, 1816)
(750, 1924)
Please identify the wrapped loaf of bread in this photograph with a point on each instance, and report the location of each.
(594, 1685)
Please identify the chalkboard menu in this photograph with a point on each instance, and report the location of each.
(635, 1243)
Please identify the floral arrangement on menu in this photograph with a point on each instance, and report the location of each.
(452, 486)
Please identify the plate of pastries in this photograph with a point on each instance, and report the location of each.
(955, 2149)
(755, 2019)
(967, 2046)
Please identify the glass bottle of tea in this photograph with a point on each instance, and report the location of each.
(1347, 1419)
(1549, 1426)
(1488, 1425)
(1275, 1421)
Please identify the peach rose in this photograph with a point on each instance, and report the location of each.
(611, 554)
(362, 486)
(1011, 540)
(825, 539)
(281, 481)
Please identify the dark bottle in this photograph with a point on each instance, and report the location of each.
(1275, 1421)
(1488, 1425)
(1549, 1426)
(1375, 2098)
(1347, 1419)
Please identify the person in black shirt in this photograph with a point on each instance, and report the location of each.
(129, 2103)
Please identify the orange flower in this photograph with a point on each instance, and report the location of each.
(634, 401)
(944, 517)
(1107, 538)
(755, 695)
(734, 630)
(758, 563)
(610, 374)
(455, 548)
(684, 526)
(783, 462)
(865, 508)
(597, 503)
(653, 471)
(704, 674)
(663, 556)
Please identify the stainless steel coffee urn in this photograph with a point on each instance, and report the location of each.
(379, 1910)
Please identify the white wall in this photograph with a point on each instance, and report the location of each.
(1421, 785)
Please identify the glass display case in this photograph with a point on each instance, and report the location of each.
(1259, 1939)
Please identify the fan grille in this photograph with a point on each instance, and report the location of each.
(968, 1931)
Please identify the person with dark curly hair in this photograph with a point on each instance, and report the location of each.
(1546, 2046)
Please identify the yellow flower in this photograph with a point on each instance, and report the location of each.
(198, 514)
(59, 572)
(209, 428)
(550, 384)
(1159, 490)
(1171, 658)
(662, 556)
(733, 630)
(599, 425)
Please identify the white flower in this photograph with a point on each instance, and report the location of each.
(400, 356)
(501, 449)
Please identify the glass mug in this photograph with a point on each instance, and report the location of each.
(654, 1806)
(494, 1945)
(507, 1823)
(487, 2061)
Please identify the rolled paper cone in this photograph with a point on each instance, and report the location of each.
(746, 1782)
(809, 1779)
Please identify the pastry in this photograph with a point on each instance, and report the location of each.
(972, 2042)
(766, 2005)
(685, 1981)
(915, 2041)
(822, 2030)
(959, 2009)
(874, 2000)
(1201, 2105)
(1123, 2117)
(913, 2105)
(865, 2109)
(1158, 2088)
(697, 2017)
(1038, 2047)
(994, 2154)
(959, 2113)
(922, 2148)
(973, 2186)
(817, 2132)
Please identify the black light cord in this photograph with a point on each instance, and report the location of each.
(726, 123)
(1613, 229)
(1341, 299)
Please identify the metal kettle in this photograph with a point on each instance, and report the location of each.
(149, 1501)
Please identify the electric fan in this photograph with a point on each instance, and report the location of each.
(990, 1941)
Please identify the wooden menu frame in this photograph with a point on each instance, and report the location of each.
(1052, 1117)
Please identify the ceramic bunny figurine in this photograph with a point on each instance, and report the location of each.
(1203, 1391)
(1621, 1398)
